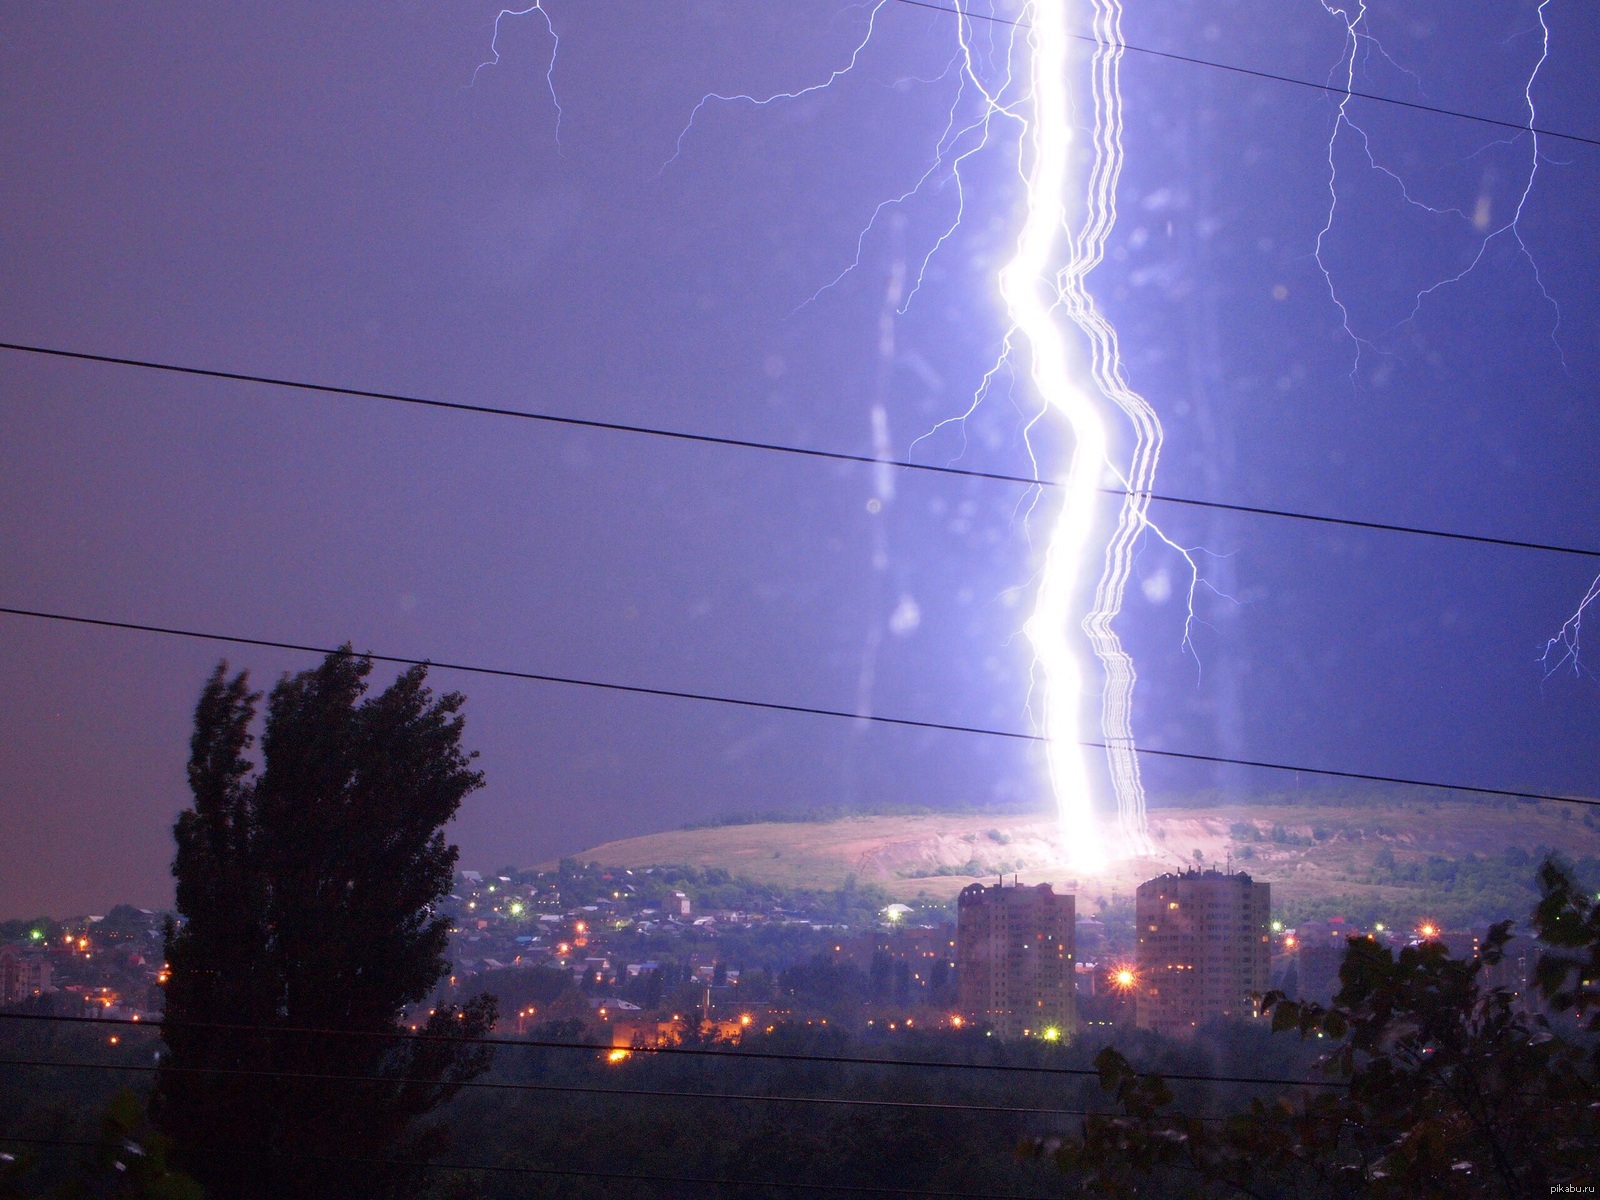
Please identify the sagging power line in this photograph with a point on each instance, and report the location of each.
(557, 1088)
(1270, 76)
(672, 1051)
(777, 706)
(779, 448)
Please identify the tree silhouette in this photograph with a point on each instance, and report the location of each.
(1442, 1087)
(305, 892)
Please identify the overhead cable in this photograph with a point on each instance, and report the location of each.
(780, 448)
(555, 1172)
(567, 1089)
(1271, 76)
(670, 1051)
(776, 706)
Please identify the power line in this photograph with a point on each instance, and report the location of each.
(1327, 88)
(775, 706)
(777, 447)
(571, 1173)
(570, 1089)
(686, 1051)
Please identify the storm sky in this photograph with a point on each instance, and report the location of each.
(330, 193)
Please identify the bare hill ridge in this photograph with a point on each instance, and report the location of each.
(1304, 851)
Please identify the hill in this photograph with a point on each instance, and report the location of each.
(1367, 856)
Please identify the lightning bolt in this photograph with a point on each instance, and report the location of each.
(1116, 708)
(550, 68)
(1044, 281)
(1562, 650)
(1031, 290)
(762, 101)
(1358, 36)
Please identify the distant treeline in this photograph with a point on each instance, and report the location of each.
(616, 1120)
(574, 883)
(1315, 794)
(824, 814)
(1318, 794)
(1467, 893)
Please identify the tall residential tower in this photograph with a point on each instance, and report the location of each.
(1203, 948)
(1014, 960)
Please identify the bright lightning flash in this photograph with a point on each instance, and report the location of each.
(1042, 284)
(1044, 280)
(1024, 283)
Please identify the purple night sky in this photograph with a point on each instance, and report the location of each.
(312, 191)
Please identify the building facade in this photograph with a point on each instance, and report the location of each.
(1319, 948)
(1203, 948)
(1015, 960)
(23, 973)
(1516, 972)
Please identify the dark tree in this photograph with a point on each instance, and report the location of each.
(1444, 1087)
(305, 892)
(129, 1162)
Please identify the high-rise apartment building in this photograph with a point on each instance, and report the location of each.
(1203, 948)
(23, 973)
(1014, 960)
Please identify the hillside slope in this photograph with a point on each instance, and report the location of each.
(1305, 852)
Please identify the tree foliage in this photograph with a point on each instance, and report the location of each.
(306, 891)
(1439, 1086)
(129, 1161)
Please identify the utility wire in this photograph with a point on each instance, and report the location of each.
(775, 706)
(569, 1089)
(689, 1051)
(1328, 88)
(777, 447)
(569, 1173)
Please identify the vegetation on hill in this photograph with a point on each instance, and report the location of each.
(1400, 863)
(573, 884)
(1466, 893)
(824, 814)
